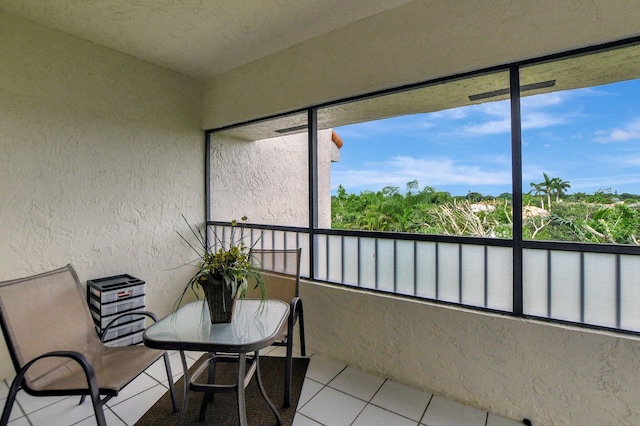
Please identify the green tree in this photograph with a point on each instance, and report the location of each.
(559, 186)
(547, 186)
(537, 189)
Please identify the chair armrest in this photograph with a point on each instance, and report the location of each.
(75, 356)
(89, 372)
(295, 308)
(113, 321)
(296, 305)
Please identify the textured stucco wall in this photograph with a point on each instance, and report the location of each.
(268, 180)
(552, 375)
(417, 42)
(101, 154)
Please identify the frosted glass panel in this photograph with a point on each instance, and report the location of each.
(321, 257)
(630, 292)
(266, 242)
(426, 269)
(291, 240)
(448, 272)
(303, 241)
(535, 283)
(500, 278)
(565, 285)
(253, 237)
(335, 258)
(405, 261)
(350, 260)
(600, 289)
(386, 265)
(367, 263)
(472, 263)
(277, 240)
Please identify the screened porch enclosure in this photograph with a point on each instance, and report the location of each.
(279, 172)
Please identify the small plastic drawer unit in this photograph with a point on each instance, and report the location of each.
(112, 297)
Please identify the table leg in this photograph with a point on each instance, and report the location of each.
(264, 394)
(185, 397)
(207, 397)
(242, 408)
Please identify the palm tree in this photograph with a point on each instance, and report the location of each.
(548, 187)
(560, 186)
(537, 187)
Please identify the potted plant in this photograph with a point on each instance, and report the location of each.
(223, 275)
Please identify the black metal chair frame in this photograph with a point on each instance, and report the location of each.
(296, 314)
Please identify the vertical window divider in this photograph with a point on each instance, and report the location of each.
(342, 258)
(375, 263)
(359, 264)
(516, 181)
(312, 137)
(460, 266)
(395, 266)
(582, 289)
(327, 256)
(437, 274)
(486, 276)
(618, 291)
(415, 267)
(549, 283)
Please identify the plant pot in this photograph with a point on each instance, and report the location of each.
(219, 299)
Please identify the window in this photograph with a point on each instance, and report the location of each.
(413, 193)
(581, 149)
(432, 160)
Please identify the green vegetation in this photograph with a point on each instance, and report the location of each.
(549, 213)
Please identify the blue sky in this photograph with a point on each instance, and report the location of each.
(589, 137)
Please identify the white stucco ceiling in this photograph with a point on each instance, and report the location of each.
(199, 38)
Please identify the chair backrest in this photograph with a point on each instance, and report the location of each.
(43, 313)
(280, 270)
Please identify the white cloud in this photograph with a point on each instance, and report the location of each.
(600, 182)
(627, 160)
(500, 116)
(489, 127)
(629, 132)
(540, 120)
(501, 109)
(434, 172)
(450, 114)
(544, 100)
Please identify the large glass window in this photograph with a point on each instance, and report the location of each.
(434, 160)
(581, 149)
(403, 179)
(581, 152)
(430, 160)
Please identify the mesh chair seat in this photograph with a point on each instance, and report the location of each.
(114, 368)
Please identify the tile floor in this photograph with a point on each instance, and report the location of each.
(333, 394)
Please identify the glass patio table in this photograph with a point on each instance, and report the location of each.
(256, 324)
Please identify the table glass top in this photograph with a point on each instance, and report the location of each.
(255, 324)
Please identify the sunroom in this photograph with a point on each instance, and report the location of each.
(117, 121)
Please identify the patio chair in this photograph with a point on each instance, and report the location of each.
(55, 348)
(280, 270)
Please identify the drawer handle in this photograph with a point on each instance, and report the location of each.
(126, 293)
